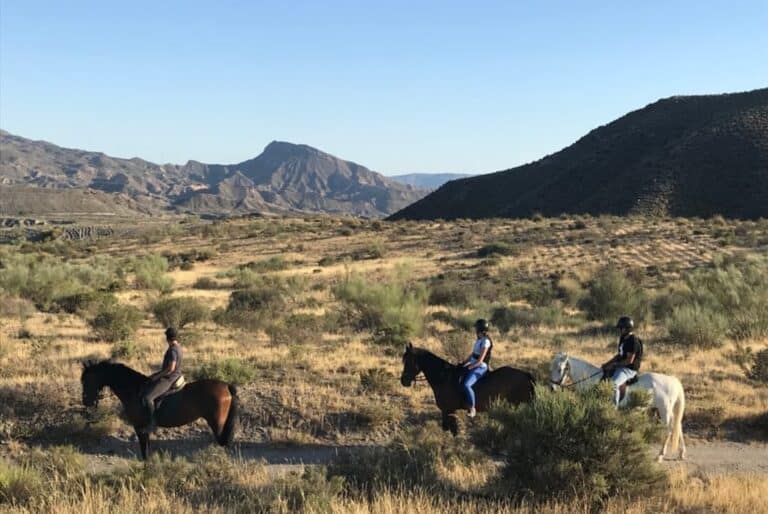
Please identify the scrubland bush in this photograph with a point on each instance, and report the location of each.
(496, 248)
(206, 283)
(449, 291)
(759, 369)
(377, 380)
(43, 280)
(231, 370)
(250, 308)
(296, 329)
(19, 484)
(507, 318)
(187, 259)
(179, 312)
(274, 263)
(411, 461)
(693, 325)
(375, 249)
(569, 445)
(151, 273)
(611, 293)
(392, 309)
(116, 322)
(85, 303)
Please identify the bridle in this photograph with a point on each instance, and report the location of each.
(559, 383)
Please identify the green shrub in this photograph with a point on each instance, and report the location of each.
(231, 370)
(450, 292)
(693, 325)
(496, 248)
(116, 322)
(373, 250)
(411, 461)
(611, 293)
(392, 309)
(151, 273)
(507, 318)
(179, 312)
(206, 283)
(572, 445)
(85, 303)
(377, 380)
(19, 484)
(759, 369)
(274, 263)
(251, 308)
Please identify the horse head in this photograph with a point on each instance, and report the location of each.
(560, 370)
(410, 366)
(92, 380)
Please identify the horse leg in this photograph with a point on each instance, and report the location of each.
(453, 424)
(666, 418)
(143, 444)
(446, 422)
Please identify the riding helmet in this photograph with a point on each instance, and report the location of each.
(170, 333)
(625, 322)
(481, 325)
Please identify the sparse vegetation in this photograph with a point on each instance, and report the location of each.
(611, 293)
(115, 322)
(179, 312)
(232, 370)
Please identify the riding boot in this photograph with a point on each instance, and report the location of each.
(151, 423)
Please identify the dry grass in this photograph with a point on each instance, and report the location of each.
(309, 389)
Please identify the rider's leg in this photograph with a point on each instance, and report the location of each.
(620, 375)
(473, 376)
(152, 393)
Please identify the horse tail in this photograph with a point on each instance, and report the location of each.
(677, 419)
(228, 432)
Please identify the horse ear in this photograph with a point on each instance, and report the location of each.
(409, 347)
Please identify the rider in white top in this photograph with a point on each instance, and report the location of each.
(476, 364)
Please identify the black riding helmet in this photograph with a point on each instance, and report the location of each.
(170, 333)
(482, 325)
(625, 322)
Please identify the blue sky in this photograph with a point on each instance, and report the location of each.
(396, 86)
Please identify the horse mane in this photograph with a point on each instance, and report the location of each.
(117, 370)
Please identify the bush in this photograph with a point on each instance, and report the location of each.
(251, 308)
(570, 445)
(759, 369)
(116, 322)
(506, 318)
(85, 303)
(693, 325)
(611, 294)
(391, 309)
(231, 370)
(19, 484)
(377, 380)
(497, 248)
(151, 273)
(274, 263)
(206, 283)
(412, 460)
(179, 312)
(450, 292)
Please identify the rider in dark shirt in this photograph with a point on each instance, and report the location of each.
(161, 381)
(626, 363)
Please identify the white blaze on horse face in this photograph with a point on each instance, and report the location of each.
(559, 369)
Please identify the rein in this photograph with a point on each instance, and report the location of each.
(560, 383)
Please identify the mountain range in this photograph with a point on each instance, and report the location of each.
(427, 180)
(284, 178)
(694, 156)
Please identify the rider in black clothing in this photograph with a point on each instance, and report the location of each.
(626, 363)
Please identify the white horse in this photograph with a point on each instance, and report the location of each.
(668, 394)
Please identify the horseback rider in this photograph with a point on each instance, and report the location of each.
(163, 380)
(476, 364)
(626, 363)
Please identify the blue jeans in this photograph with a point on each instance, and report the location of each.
(621, 375)
(472, 376)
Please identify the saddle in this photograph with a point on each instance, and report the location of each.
(177, 386)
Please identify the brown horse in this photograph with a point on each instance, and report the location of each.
(506, 383)
(213, 400)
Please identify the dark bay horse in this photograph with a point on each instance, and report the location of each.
(213, 400)
(507, 383)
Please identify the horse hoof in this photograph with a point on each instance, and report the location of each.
(660, 458)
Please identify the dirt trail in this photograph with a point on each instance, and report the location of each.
(710, 457)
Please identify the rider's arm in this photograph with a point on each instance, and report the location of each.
(613, 360)
(170, 368)
(626, 361)
(480, 359)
